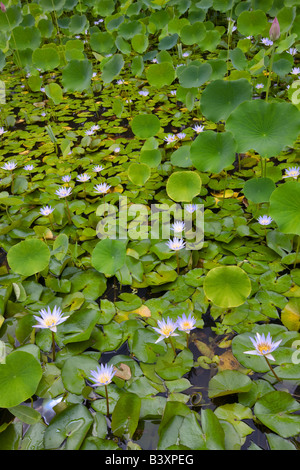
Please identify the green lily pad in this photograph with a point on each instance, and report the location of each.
(264, 127)
(76, 75)
(69, 427)
(145, 125)
(19, 378)
(108, 256)
(139, 173)
(227, 286)
(259, 190)
(228, 382)
(285, 207)
(28, 257)
(220, 98)
(159, 75)
(183, 186)
(276, 411)
(213, 151)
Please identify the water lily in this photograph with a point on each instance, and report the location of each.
(103, 375)
(267, 41)
(98, 168)
(295, 70)
(102, 188)
(181, 135)
(2, 131)
(176, 244)
(83, 178)
(144, 92)
(46, 210)
(178, 226)
(28, 167)
(63, 192)
(10, 166)
(190, 208)
(165, 329)
(185, 323)
(259, 86)
(292, 51)
(293, 172)
(50, 319)
(264, 220)
(264, 346)
(198, 128)
(66, 178)
(170, 138)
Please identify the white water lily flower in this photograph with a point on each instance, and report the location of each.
(2, 131)
(9, 166)
(46, 210)
(98, 168)
(264, 220)
(83, 178)
(165, 329)
(186, 323)
(259, 85)
(101, 188)
(103, 375)
(267, 41)
(198, 128)
(178, 226)
(63, 192)
(181, 135)
(144, 92)
(28, 167)
(176, 244)
(66, 178)
(190, 208)
(295, 70)
(293, 172)
(50, 319)
(264, 346)
(170, 138)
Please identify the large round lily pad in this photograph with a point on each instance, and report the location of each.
(264, 127)
(227, 286)
(19, 378)
(259, 190)
(145, 125)
(108, 256)
(285, 207)
(220, 98)
(28, 257)
(213, 151)
(183, 186)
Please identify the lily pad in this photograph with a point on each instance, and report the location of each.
(278, 411)
(213, 151)
(227, 286)
(28, 257)
(108, 256)
(183, 186)
(220, 98)
(285, 207)
(19, 378)
(264, 127)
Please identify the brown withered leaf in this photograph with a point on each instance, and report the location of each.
(228, 362)
(123, 372)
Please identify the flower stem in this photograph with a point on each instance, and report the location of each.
(107, 403)
(270, 71)
(53, 346)
(272, 370)
(173, 347)
(68, 211)
(177, 259)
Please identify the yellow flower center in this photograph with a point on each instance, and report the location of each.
(167, 330)
(264, 348)
(50, 321)
(185, 325)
